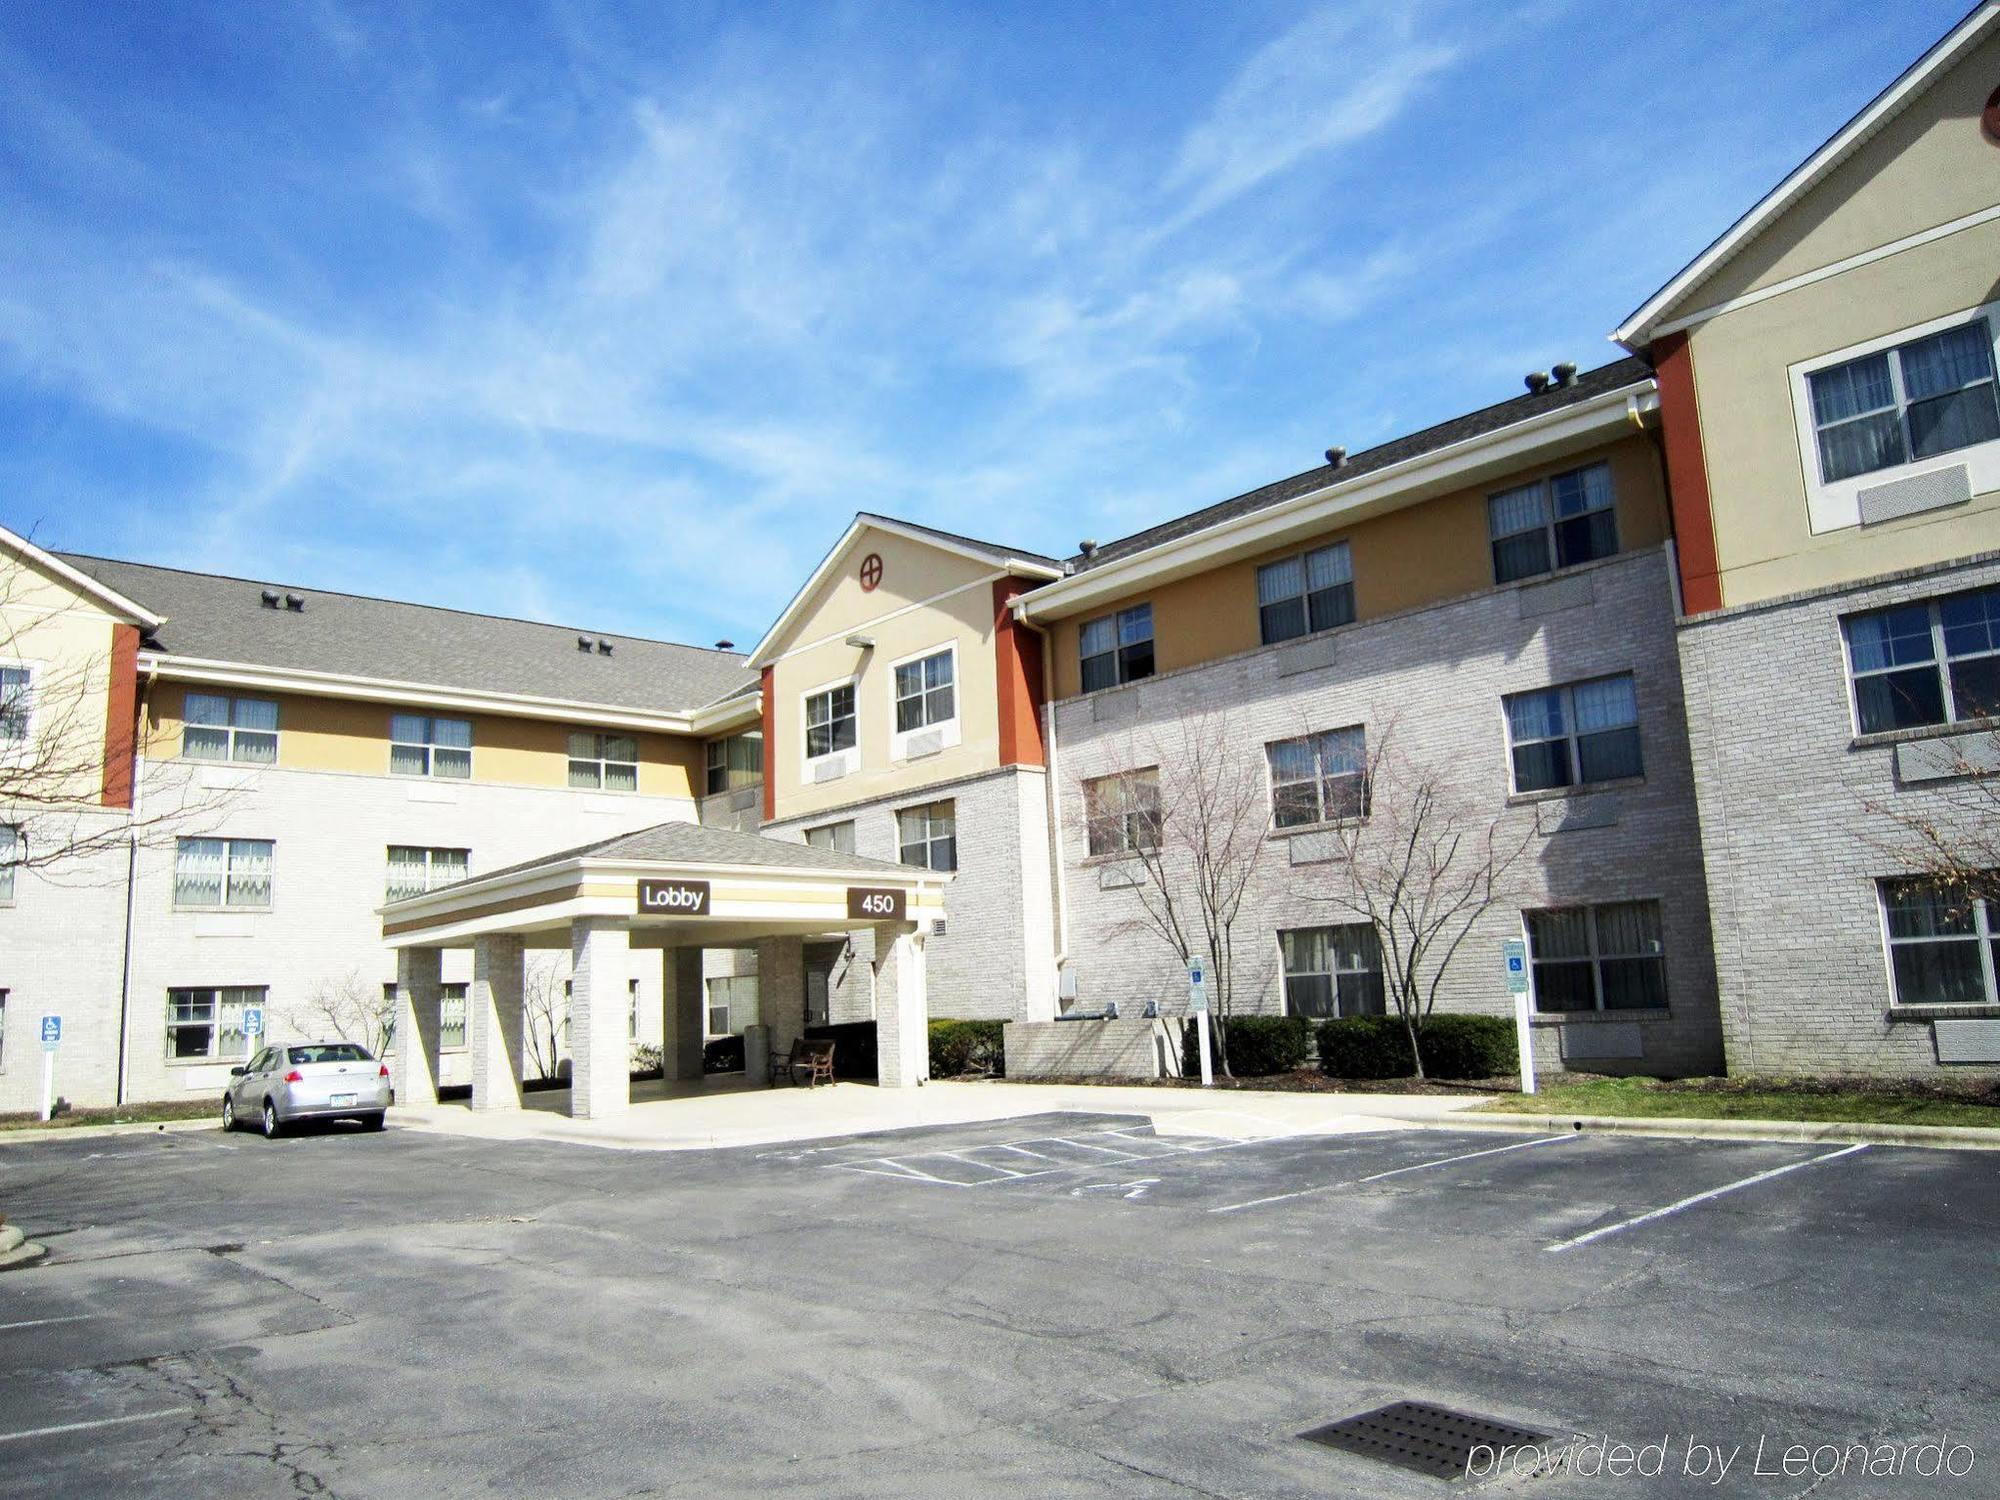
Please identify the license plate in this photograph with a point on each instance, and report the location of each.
(342, 1101)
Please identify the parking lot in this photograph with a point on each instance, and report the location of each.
(1066, 1304)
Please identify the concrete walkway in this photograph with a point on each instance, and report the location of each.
(689, 1117)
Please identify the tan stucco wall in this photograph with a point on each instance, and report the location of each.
(65, 638)
(332, 734)
(1434, 550)
(1756, 466)
(1929, 166)
(911, 573)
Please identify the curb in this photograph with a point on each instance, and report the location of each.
(26, 1133)
(1841, 1132)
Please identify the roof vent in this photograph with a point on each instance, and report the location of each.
(583, 643)
(603, 647)
(1087, 548)
(1337, 457)
(1537, 381)
(296, 603)
(1565, 373)
(271, 599)
(725, 645)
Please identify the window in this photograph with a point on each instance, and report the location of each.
(736, 762)
(388, 1015)
(16, 699)
(1333, 971)
(3, 1028)
(1319, 778)
(209, 1023)
(1930, 396)
(632, 1012)
(1575, 734)
(10, 854)
(412, 871)
(1117, 648)
(1598, 957)
(830, 721)
(238, 729)
(732, 1004)
(1944, 946)
(1122, 812)
(222, 872)
(1303, 594)
(451, 1017)
(1553, 523)
(924, 693)
(609, 762)
(839, 837)
(1923, 664)
(928, 836)
(420, 746)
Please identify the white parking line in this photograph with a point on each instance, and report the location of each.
(1689, 1202)
(1443, 1161)
(1063, 1140)
(140, 1416)
(44, 1322)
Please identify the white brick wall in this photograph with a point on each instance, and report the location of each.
(1440, 674)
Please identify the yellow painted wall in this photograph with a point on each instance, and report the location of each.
(65, 637)
(341, 735)
(1928, 167)
(814, 654)
(1757, 465)
(1434, 550)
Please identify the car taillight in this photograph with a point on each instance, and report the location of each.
(295, 1076)
(385, 1071)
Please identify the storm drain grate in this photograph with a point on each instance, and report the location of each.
(1433, 1440)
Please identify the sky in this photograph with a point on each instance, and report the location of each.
(615, 314)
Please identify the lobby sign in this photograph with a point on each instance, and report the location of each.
(673, 898)
(876, 904)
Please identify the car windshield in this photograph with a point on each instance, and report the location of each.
(329, 1052)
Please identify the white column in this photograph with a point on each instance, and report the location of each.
(493, 1022)
(902, 1008)
(414, 1069)
(599, 1019)
(681, 1014)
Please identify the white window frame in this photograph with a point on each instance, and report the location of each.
(1597, 958)
(603, 762)
(728, 985)
(1985, 929)
(930, 839)
(1836, 506)
(848, 759)
(4, 993)
(1119, 676)
(1572, 736)
(432, 881)
(1940, 664)
(8, 744)
(720, 748)
(1306, 591)
(232, 730)
(430, 747)
(10, 857)
(1128, 818)
(947, 730)
(1286, 975)
(220, 999)
(1318, 780)
(831, 830)
(229, 855)
(1551, 526)
(459, 994)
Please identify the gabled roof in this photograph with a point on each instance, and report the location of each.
(1639, 328)
(1005, 559)
(212, 618)
(118, 604)
(1618, 375)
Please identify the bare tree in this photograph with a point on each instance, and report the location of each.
(1949, 835)
(1195, 827)
(1421, 868)
(545, 1018)
(58, 710)
(350, 1008)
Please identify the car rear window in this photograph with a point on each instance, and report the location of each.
(329, 1052)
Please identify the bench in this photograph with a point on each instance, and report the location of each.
(809, 1062)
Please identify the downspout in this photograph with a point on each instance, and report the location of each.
(1052, 790)
(131, 882)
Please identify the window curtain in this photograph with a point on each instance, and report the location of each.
(1135, 625)
(1535, 716)
(1629, 929)
(1583, 490)
(249, 872)
(1329, 567)
(1279, 581)
(198, 871)
(406, 873)
(1523, 509)
(1948, 380)
(14, 689)
(1610, 704)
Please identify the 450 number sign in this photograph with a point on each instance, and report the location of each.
(873, 905)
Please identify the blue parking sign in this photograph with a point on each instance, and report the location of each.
(253, 1021)
(51, 1033)
(1515, 962)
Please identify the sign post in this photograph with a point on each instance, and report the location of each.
(1198, 1003)
(51, 1039)
(1514, 959)
(253, 1030)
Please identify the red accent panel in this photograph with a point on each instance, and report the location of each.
(1687, 475)
(1017, 658)
(770, 750)
(121, 716)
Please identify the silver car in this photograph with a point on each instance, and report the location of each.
(307, 1081)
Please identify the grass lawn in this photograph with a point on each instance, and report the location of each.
(131, 1114)
(1846, 1100)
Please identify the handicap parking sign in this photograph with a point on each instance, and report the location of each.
(1516, 961)
(51, 1033)
(253, 1021)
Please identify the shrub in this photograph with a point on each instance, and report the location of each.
(1257, 1046)
(1453, 1046)
(959, 1048)
(722, 1055)
(646, 1059)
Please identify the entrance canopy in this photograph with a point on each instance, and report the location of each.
(674, 885)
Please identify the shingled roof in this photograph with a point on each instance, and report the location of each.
(1604, 379)
(211, 617)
